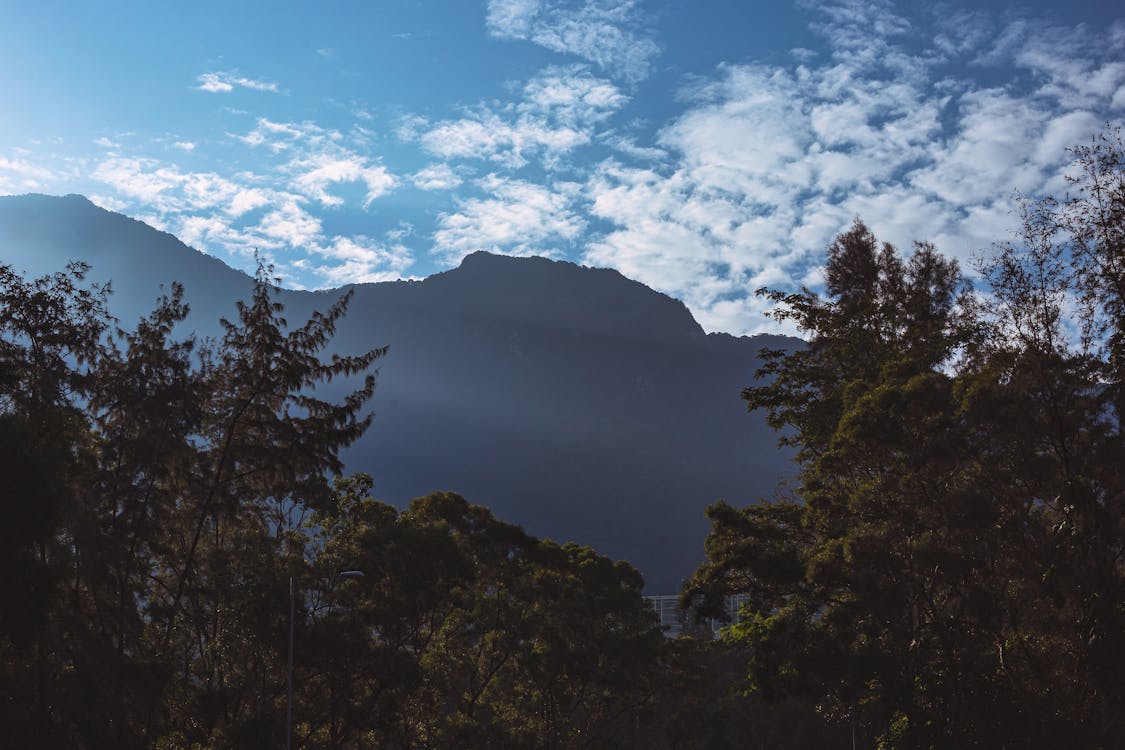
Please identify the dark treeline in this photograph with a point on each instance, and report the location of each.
(949, 568)
(159, 493)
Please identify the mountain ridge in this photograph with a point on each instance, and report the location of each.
(572, 400)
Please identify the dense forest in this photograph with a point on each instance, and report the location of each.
(949, 568)
(175, 518)
(947, 571)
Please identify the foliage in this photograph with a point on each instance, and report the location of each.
(161, 493)
(488, 637)
(153, 486)
(949, 571)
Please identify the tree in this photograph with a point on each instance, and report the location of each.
(1056, 358)
(50, 333)
(162, 490)
(156, 495)
(948, 570)
(468, 632)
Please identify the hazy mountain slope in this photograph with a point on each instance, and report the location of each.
(574, 401)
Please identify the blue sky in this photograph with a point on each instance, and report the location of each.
(704, 148)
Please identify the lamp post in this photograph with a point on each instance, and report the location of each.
(289, 691)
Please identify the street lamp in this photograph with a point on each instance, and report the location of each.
(289, 691)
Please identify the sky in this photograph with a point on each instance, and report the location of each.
(705, 148)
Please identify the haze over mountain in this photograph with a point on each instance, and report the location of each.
(571, 400)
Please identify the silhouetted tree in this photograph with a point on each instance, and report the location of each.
(949, 570)
(153, 487)
(467, 632)
(159, 493)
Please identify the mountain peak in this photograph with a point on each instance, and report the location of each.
(570, 399)
(40, 233)
(559, 293)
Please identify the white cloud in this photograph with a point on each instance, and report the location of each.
(1062, 62)
(436, 177)
(410, 127)
(512, 18)
(317, 172)
(627, 145)
(108, 202)
(571, 95)
(281, 136)
(272, 210)
(204, 209)
(559, 111)
(184, 145)
(245, 200)
(319, 159)
(204, 232)
(139, 178)
(224, 83)
(213, 83)
(1118, 99)
(480, 137)
(769, 162)
(516, 218)
(363, 261)
(291, 224)
(608, 33)
(172, 191)
(22, 175)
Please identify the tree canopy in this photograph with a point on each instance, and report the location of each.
(949, 568)
(160, 492)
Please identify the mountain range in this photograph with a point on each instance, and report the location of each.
(573, 401)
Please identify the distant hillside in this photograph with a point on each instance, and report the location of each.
(574, 401)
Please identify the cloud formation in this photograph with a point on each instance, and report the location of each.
(515, 217)
(559, 111)
(20, 176)
(770, 162)
(436, 177)
(608, 33)
(317, 172)
(273, 210)
(224, 83)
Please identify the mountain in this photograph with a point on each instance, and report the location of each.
(571, 400)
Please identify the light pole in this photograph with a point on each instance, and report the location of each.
(289, 690)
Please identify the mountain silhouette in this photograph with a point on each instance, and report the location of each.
(571, 400)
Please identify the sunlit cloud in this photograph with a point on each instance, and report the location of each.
(139, 178)
(514, 217)
(317, 172)
(279, 136)
(436, 177)
(272, 211)
(362, 260)
(224, 83)
(558, 112)
(608, 33)
(21, 176)
(769, 162)
(291, 224)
